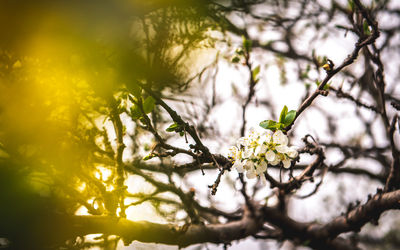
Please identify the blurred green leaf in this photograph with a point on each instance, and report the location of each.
(367, 31)
(235, 59)
(136, 90)
(255, 73)
(135, 112)
(239, 51)
(247, 44)
(148, 157)
(350, 5)
(173, 127)
(149, 104)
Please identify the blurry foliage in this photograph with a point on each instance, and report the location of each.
(64, 65)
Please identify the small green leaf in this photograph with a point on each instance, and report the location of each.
(235, 59)
(173, 127)
(283, 114)
(350, 5)
(268, 124)
(290, 117)
(135, 112)
(148, 104)
(255, 72)
(366, 28)
(246, 44)
(181, 133)
(148, 157)
(239, 51)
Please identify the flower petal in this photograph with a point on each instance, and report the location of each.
(275, 162)
(247, 152)
(286, 163)
(242, 141)
(270, 156)
(282, 149)
(249, 165)
(268, 135)
(280, 138)
(251, 174)
(239, 166)
(257, 150)
(261, 149)
(262, 167)
(263, 180)
(292, 152)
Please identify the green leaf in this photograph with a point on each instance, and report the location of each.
(173, 127)
(235, 59)
(283, 114)
(268, 124)
(366, 28)
(246, 44)
(350, 5)
(239, 51)
(289, 117)
(255, 73)
(148, 157)
(135, 112)
(148, 104)
(304, 75)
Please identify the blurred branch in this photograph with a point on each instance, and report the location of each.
(164, 233)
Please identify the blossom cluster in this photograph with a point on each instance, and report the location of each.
(253, 153)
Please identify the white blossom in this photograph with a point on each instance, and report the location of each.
(253, 153)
